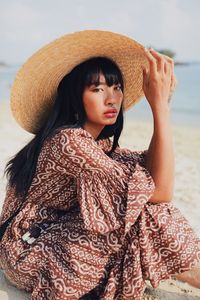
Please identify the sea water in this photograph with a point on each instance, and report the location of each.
(185, 103)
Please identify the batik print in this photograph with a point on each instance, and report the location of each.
(101, 237)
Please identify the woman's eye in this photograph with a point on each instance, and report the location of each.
(97, 89)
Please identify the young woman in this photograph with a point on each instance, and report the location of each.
(84, 218)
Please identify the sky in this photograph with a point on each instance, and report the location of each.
(27, 25)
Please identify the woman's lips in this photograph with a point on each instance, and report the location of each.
(111, 110)
(111, 114)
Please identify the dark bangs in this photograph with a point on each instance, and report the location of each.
(98, 65)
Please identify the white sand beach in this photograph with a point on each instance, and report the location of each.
(136, 136)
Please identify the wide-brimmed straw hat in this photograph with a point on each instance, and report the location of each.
(35, 86)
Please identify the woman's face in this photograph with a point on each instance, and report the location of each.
(102, 104)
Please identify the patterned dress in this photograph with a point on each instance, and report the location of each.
(94, 233)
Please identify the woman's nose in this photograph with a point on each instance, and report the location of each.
(110, 102)
(110, 98)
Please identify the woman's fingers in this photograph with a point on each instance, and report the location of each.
(173, 77)
(165, 57)
(168, 69)
(152, 61)
(169, 59)
(160, 59)
(159, 79)
(173, 83)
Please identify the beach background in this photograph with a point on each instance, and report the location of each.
(24, 36)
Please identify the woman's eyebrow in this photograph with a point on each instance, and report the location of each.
(103, 83)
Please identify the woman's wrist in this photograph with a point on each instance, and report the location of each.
(161, 111)
(162, 120)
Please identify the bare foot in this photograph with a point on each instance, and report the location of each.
(192, 277)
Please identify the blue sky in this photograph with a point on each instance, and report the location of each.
(27, 25)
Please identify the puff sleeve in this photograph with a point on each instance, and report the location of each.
(106, 188)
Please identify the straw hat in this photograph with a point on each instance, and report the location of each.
(34, 89)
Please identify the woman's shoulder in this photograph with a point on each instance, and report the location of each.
(72, 132)
(83, 137)
(71, 140)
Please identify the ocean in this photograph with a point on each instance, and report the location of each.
(185, 102)
(185, 105)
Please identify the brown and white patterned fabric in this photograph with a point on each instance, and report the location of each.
(87, 229)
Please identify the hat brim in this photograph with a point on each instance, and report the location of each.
(34, 89)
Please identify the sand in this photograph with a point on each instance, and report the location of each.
(136, 136)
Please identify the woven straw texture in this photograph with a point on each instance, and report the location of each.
(35, 85)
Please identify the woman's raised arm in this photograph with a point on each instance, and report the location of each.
(159, 81)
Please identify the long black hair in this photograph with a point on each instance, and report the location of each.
(68, 110)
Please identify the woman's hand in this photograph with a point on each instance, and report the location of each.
(159, 82)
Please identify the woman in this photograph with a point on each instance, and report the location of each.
(92, 220)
